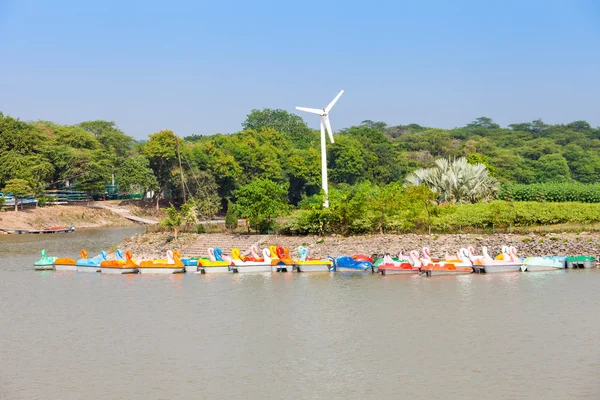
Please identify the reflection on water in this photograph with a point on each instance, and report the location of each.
(72, 335)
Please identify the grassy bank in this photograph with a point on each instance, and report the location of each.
(491, 217)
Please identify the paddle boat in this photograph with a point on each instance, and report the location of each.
(172, 265)
(190, 264)
(280, 259)
(429, 267)
(390, 266)
(85, 264)
(119, 265)
(45, 263)
(215, 263)
(252, 263)
(349, 264)
(362, 258)
(509, 262)
(580, 262)
(65, 264)
(542, 264)
(306, 264)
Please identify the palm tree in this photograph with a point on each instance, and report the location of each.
(456, 181)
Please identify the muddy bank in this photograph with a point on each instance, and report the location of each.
(77, 216)
(152, 245)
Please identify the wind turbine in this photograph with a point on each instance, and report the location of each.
(325, 124)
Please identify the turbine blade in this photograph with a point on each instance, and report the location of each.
(328, 126)
(330, 106)
(310, 110)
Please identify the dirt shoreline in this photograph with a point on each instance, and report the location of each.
(78, 216)
(154, 245)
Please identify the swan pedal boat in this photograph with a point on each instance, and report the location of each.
(460, 266)
(65, 264)
(279, 258)
(215, 264)
(252, 263)
(506, 261)
(85, 264)
(390, 266)
(307, 264)
(350, 264)
(119, 265)
(172, 265)
(542, 264)
(45, 263)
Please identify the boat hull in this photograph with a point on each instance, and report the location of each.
(48, 267)
(283, 268)
(191, 268)
(312, 267)
(436, 272)
(87, 268)
(215, 270)
(398, 271)
(118, 271)
(65, 267)
(531, 268)
(161, 270)
(252, 268)
(501, 268)
(349, 269)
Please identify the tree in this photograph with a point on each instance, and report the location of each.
(282, 121)
(552, 168)
(111, 137)
(136, 171)
(18, 188)
(161, 150)
(262, 201)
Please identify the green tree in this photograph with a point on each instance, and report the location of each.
(161, 150)
(136, 172)
(116, 143)
(261, 201)
(552, 168)
(282, 121)
(18, 188)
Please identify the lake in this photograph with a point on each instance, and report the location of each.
(70, 335)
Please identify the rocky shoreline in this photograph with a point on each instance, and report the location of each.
(153, 245)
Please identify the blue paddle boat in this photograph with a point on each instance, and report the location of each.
(85, 264)
(346, 263)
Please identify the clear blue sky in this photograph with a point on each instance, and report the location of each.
(200, 67)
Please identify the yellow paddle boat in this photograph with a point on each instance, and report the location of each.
(215, 264)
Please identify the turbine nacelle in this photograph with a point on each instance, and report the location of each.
(324, 114)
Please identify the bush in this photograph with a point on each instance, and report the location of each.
(44, 200)
(551, 192)
(231, 218)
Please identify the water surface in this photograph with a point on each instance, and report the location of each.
(73, 335)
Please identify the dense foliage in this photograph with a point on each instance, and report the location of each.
(554, 192)
(278, 154)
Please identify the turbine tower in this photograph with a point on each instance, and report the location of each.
(325, 124)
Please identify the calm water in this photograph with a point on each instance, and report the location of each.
(505, 336)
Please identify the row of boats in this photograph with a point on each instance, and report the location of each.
(278, 259)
